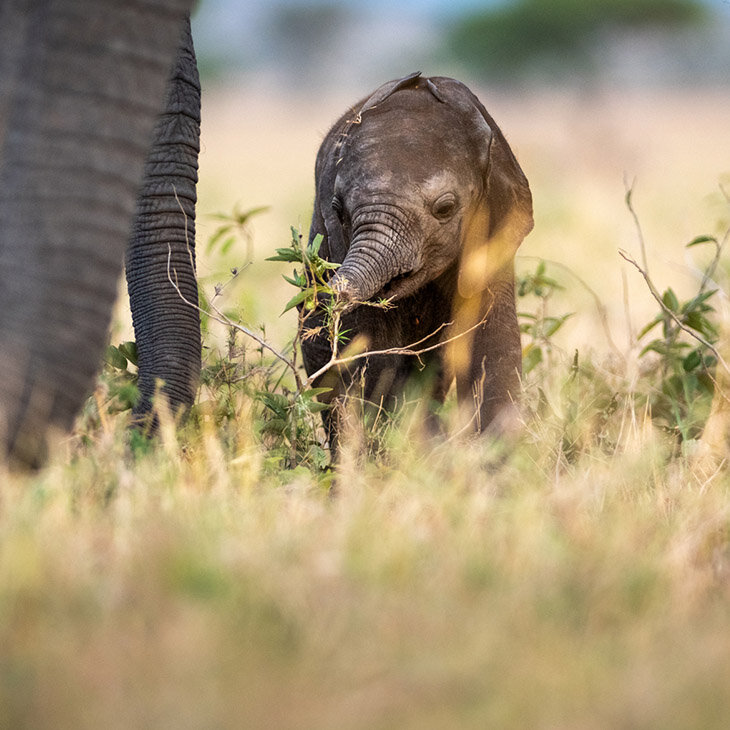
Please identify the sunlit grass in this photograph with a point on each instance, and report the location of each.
(461, 585)
(576, 578)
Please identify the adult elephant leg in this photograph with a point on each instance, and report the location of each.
(81, 85)
(162, 247)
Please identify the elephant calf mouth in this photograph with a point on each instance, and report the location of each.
(397, 287)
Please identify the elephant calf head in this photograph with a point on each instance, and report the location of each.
(421, 201)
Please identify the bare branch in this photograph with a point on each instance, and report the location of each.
(221, 318)
(408, 350)
(671, 314)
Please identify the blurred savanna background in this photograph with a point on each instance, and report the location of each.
(223, 576)
(594, 96)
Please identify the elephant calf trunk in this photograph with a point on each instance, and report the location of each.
(368, 268)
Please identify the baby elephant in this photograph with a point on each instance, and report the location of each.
(422, 202)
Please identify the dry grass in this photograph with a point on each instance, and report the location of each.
(449, 585)
(454, 587)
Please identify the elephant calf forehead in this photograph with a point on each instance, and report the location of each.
(400, 145)
(429, 169)
(443, 180)
(417, 128)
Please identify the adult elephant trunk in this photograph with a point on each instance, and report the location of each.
(384, 247)
(162, 247)
(81, 85)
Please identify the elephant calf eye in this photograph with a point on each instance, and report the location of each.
(444, 206)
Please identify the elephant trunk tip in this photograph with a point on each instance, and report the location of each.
(345, 290)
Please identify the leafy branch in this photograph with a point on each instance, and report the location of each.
(686, 377)
(315, 295)
(689, 322)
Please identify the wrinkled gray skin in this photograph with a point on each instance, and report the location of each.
(420, 199)
(99, 118)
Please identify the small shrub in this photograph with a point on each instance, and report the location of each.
(680, 364)
(583, 405)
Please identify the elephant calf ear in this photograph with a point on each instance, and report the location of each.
(388, 89)
(506, 217)
(507, 192)
(508, 195)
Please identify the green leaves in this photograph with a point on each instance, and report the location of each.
(286, 254)
(531, 357)
(121, 382)
(115, 358)
(670, 300)
(234, 224)
(537, 283)
(119, 357)
(678, 361)
(539, 327)
(701, 239)
(683, 367)
(286, 426)
(692, 361)
(306, 295)
(312, 281)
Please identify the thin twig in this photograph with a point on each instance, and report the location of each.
(227, 321)
(671, 314)
(407, 350)
(627, 307)
(637, 223)
(411, 351)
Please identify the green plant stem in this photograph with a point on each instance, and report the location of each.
(670, 313)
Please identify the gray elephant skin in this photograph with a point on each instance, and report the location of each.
(421, 200)
(99, 136)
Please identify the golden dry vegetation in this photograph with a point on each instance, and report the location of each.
(577, 579)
